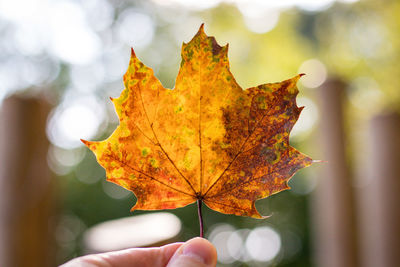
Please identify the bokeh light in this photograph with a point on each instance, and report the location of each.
(305, 184)
(135, 231)
(236, 245)
(67, 233)
(309, 5)
(368, 37)
(365, 94)
(61, 161)
(87, 78)
(262, 22)
(307, 119)
(315, 71)
(72, 40)
(263, 244)
(135, 28)
(116, 60)
(190, 4)
(114, 191)
(75, 120)
(219, 236)
(99, 14)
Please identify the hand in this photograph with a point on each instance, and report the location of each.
(197, 252)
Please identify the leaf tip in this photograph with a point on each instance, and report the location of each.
(132, 52)
(201, 30)
(265, 217)
(201, 27)
(91, 145)
(85, 142)
(257, 215)
(301, 74)
(225, 49)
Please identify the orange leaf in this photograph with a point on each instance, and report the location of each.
(207, 139)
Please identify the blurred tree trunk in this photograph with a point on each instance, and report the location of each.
(379, 198)
(26, 203)
(334, 242)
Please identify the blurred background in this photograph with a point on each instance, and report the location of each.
(61, 60)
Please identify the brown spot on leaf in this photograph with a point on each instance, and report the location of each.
(216, 48)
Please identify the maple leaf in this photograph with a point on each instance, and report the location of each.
(206, 140)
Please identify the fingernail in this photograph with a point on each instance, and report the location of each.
(199, 249)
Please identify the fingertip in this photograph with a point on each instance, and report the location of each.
(202, 248)
(197, 252)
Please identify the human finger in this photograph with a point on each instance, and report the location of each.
(135, 257)
(197, 252)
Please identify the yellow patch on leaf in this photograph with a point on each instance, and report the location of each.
(206, 139)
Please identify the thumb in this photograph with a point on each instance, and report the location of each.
(197, 252)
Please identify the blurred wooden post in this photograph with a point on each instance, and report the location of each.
(334, 240)
(379, 198)
(25, 185)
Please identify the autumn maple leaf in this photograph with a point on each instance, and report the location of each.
(206, 140)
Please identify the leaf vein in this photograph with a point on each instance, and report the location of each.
(158, 142)
(147, 175)
(246, 182)
(240, 149)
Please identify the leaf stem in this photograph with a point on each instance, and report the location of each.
(199, 204)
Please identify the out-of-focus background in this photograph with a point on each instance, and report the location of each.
(61, 60)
